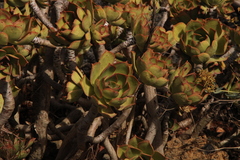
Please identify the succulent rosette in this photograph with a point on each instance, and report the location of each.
(153, 68)
(111, 84)
(17, 29)
(113, 14)
(159, 41)
(76, 29)
(184, 10)
(203, 39)
(11, 63)
(184, 88)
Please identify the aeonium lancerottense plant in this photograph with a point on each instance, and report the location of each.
(111, 84)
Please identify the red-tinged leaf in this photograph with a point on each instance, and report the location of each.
(27, 39)
(75, 45)
(3, 38)
(134, 141)
(121, 150)
(87, 21)
(146, 147)
(86, 86)
(13, 32)
(132, 152)
(98, 67)
(107, 111)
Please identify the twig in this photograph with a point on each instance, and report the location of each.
(225, 141)
(43, 42)
(165, 133)
(125, 44)
(71, 59)
(96, 123)
(71, 118)
(60, 5)
(9, 102)
(186, 122)
(110, 149)
(218, 149)
(55, 130)
(143, 120)
(205, 120)
(130, 125)
(111, 128)
(41, 16)
(75, 140)
(100, 50)
(57, 64)
(164, 15)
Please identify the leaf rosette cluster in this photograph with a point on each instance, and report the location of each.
(203, 39)
(111, 84)
(17, 29)
(184, 88)
(153, 68)
(76, 29)
(11, 63)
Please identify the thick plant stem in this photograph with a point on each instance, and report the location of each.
(152, 105)
(60, 5)
(112, 128)
(110, 149)
(75, 141)
(9, 103)
(41, 16)
(41, 104)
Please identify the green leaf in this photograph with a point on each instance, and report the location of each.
(121, 149)
(86, 86)
(150, 79)
(77, 33)
(80, 13)
(134, 141)
(185, 69)
(27, 38)
(3, 38)
(76, 76)
(123, 68)
(13, 32)
(201, 58)
(97, 68)
(132, 152)
(157, 156)
(74, 92)
(117, 102)
(195, 98)
(193, 25)
(133, 85)
(178, 29)
(181, 99)
(30, 142)
(146, 147)
(111, 14)
(87, 21)
(109, 93)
